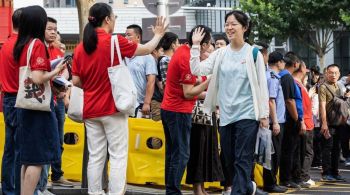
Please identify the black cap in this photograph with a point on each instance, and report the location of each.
(274, 57)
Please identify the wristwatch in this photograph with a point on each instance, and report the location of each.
(195, 46)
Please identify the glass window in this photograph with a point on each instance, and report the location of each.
(303, 51)
(342, 51)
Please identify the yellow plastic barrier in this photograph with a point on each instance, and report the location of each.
(145, 165)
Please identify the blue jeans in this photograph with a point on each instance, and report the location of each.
(238, 144)
(56, 168)
(11, 167)
(177, 130)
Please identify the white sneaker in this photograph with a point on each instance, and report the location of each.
(311, 182)
(254, 188)
(227, 192)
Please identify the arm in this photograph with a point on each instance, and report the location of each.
(198, 67)
(263, 99)
(146, 108)
(292, 110)
(76, 81)
(324, 125)
(273, 116)
(190, 91)
(40, 76)
(158, 30)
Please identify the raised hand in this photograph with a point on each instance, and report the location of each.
(198, 36)
(160, 27)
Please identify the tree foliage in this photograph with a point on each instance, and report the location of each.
(313, 20)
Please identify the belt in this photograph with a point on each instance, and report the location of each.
(9, 94)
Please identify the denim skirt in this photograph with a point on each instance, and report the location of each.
(38, 136)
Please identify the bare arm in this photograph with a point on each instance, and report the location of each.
(76, 81)
(190, 91)
(40, 76)
(158, 30)
(146, 108)
(273, 115)
(291, 107)
(323, 115)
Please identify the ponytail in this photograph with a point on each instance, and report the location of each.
(90, 38)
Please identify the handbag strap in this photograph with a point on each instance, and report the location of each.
(29, 52)
(115, 42)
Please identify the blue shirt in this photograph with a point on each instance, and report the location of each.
(140, 67)
(235, 94)
(299, 102)
(275, 92)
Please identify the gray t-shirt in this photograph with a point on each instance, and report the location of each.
(140, 67)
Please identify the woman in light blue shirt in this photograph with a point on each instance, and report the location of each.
(239, 87)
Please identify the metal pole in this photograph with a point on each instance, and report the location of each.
(162, 9)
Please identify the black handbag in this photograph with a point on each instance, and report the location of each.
(199, 116)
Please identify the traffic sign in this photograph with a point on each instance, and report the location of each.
(177, 25)
(171, 5)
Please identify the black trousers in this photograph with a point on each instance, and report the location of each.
(269, 176)
(317, 160)
(331, 152)
(344, 138)
(290, 165)
(306, 154)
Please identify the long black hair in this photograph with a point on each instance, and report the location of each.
(98, 12)
(243, 19)
(32, 25)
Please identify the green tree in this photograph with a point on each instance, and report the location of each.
(83, 7)
(313, 20)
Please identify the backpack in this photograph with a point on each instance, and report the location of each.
(338, 110)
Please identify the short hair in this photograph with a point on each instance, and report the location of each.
(136, 28)
(275, 57)
(262, 46)
(290, 58)
(221, 37)
(168, 39)
(16, 16)
(206, 38)
(52, 20)
(332, 66)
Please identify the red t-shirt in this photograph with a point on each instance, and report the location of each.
(179, 73)
(307, 108)
(38, 60)
(92, 70)
(9, 69)
(54, 52)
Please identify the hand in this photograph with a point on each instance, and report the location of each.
(198, 36)
(146, 109)
(302, 128)
(324, 130)
(160, 27)
(264, 123)
(61, 66)
(66, 101)
(276, 129)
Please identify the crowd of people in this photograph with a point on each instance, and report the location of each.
(213, 94)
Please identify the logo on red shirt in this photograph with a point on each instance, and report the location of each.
(40, 60)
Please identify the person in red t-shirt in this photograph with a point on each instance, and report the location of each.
(104, 124)
(179, 98)
(38, 139)
(306, 145)
(9, 71)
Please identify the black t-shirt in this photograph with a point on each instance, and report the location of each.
(288, 88)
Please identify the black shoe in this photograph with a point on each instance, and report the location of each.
(291, 185)
(339, 178)
(276, 189)
(260, 192)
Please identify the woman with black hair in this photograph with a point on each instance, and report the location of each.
(238, 86)
(105, 126)
(38, 134)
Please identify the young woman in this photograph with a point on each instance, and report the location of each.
(39, 142)
(238, 85)
(105, 126)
